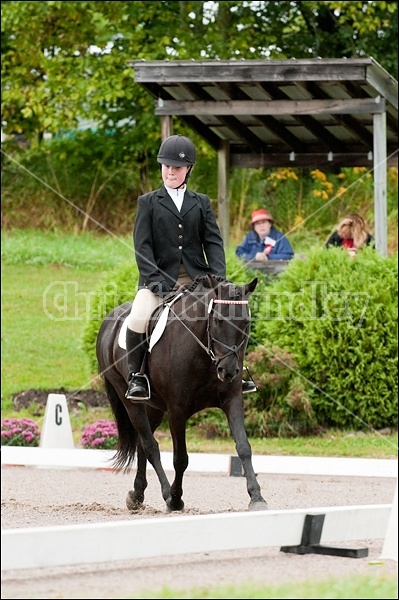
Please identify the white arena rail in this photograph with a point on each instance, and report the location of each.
(39, 547)
(205, 463)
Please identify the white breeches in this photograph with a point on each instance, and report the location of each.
(146, 302)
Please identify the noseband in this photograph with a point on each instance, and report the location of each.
(211, 340)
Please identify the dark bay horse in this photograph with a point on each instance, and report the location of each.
(196, 364)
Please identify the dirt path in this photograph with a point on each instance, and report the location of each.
(33, 497)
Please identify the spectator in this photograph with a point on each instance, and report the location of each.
(351, 234)
(264, 242)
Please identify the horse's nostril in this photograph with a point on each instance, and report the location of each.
(227, 374)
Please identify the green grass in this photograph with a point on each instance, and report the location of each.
(371, 586)
(48, 280)
(42, 328)
(44, 307)
(332, 443)
(86, 251)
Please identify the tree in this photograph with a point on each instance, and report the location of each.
(64, 61)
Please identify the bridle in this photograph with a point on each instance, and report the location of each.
(211, 340)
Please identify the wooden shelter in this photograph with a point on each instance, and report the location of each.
(323, 113)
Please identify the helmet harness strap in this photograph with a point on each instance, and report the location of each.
(185, 179)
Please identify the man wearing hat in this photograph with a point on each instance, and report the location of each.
(264, 242)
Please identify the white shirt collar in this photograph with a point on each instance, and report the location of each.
(177, 195)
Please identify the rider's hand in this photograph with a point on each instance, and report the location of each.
(159, 288)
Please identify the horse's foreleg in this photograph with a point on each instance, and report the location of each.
(235, 417)
(135, 498)
(149, 445)
(180, 463)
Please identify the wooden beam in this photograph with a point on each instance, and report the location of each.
(276, 160)
(271, 107)
(209, 71)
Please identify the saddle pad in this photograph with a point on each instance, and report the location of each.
(161, 323)
(122, 335)
(156, 334)
(159, 327)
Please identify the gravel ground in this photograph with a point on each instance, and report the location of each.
(33, 497)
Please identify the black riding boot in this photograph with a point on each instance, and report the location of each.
(136, 345)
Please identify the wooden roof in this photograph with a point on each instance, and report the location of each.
(274, 113)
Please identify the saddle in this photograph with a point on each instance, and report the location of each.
(156, 323)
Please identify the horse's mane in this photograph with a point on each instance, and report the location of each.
(202, 282)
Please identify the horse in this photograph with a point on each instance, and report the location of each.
(194, 364)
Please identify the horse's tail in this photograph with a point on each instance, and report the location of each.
(127, 435)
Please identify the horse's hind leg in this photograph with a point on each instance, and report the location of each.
(235, 416)
(149, 446)
(135, 497)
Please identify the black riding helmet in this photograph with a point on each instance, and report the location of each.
(177, 151)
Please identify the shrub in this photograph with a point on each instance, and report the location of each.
(338, 317)
(19, 432)
(101, 435)
(282, 406)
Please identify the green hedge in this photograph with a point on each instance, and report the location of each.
(338, 317)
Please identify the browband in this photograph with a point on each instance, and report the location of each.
(231, 301)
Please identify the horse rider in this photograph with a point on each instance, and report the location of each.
(176, 238)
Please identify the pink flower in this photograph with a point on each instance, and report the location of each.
(102, 435)
(19, 432)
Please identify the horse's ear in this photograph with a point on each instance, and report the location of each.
(249, 288)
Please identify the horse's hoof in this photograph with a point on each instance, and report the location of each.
(132, 503)
(259, 505)
(174, 506)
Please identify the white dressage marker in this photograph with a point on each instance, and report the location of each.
(57, 430)
(39, 547)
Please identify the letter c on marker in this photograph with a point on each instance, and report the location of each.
(58, 414)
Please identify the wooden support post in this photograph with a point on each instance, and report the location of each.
(166, 127)
(380, 182)
(223, 190)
